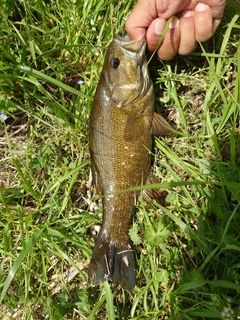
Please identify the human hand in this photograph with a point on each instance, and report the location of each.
(197, 21)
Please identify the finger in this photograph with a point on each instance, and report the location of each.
(217, 12)
(187, 32)
(203, 22)
(217, 7)
(140, 18)
(154, 33)
(133, 29)
(170, 44)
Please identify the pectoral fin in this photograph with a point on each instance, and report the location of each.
(160, 126)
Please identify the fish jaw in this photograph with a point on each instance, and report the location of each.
(131, 46)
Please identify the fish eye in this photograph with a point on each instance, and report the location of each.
(115, 62)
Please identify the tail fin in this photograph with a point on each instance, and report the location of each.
(113, 261)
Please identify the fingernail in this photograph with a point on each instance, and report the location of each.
(174, 23)
(159, 26)
(186, 13)
(200, 7)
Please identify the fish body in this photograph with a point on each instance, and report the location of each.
(120, 138)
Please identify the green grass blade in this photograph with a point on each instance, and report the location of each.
(109, 299)
(19, 260)
(46, 78)
(97, 306)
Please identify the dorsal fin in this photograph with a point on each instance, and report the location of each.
(160, 126)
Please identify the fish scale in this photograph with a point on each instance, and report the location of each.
(120, 138)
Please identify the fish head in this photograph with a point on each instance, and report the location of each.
(125, 70)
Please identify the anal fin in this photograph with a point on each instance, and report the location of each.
(154, 194)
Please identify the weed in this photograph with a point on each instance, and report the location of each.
(187, 250)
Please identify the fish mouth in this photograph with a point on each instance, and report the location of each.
(136, 49)
(134, 46)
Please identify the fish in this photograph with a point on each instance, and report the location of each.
(121, 128)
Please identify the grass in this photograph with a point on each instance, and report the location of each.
(188, 250)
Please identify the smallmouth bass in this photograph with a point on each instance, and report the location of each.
(122, 123)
